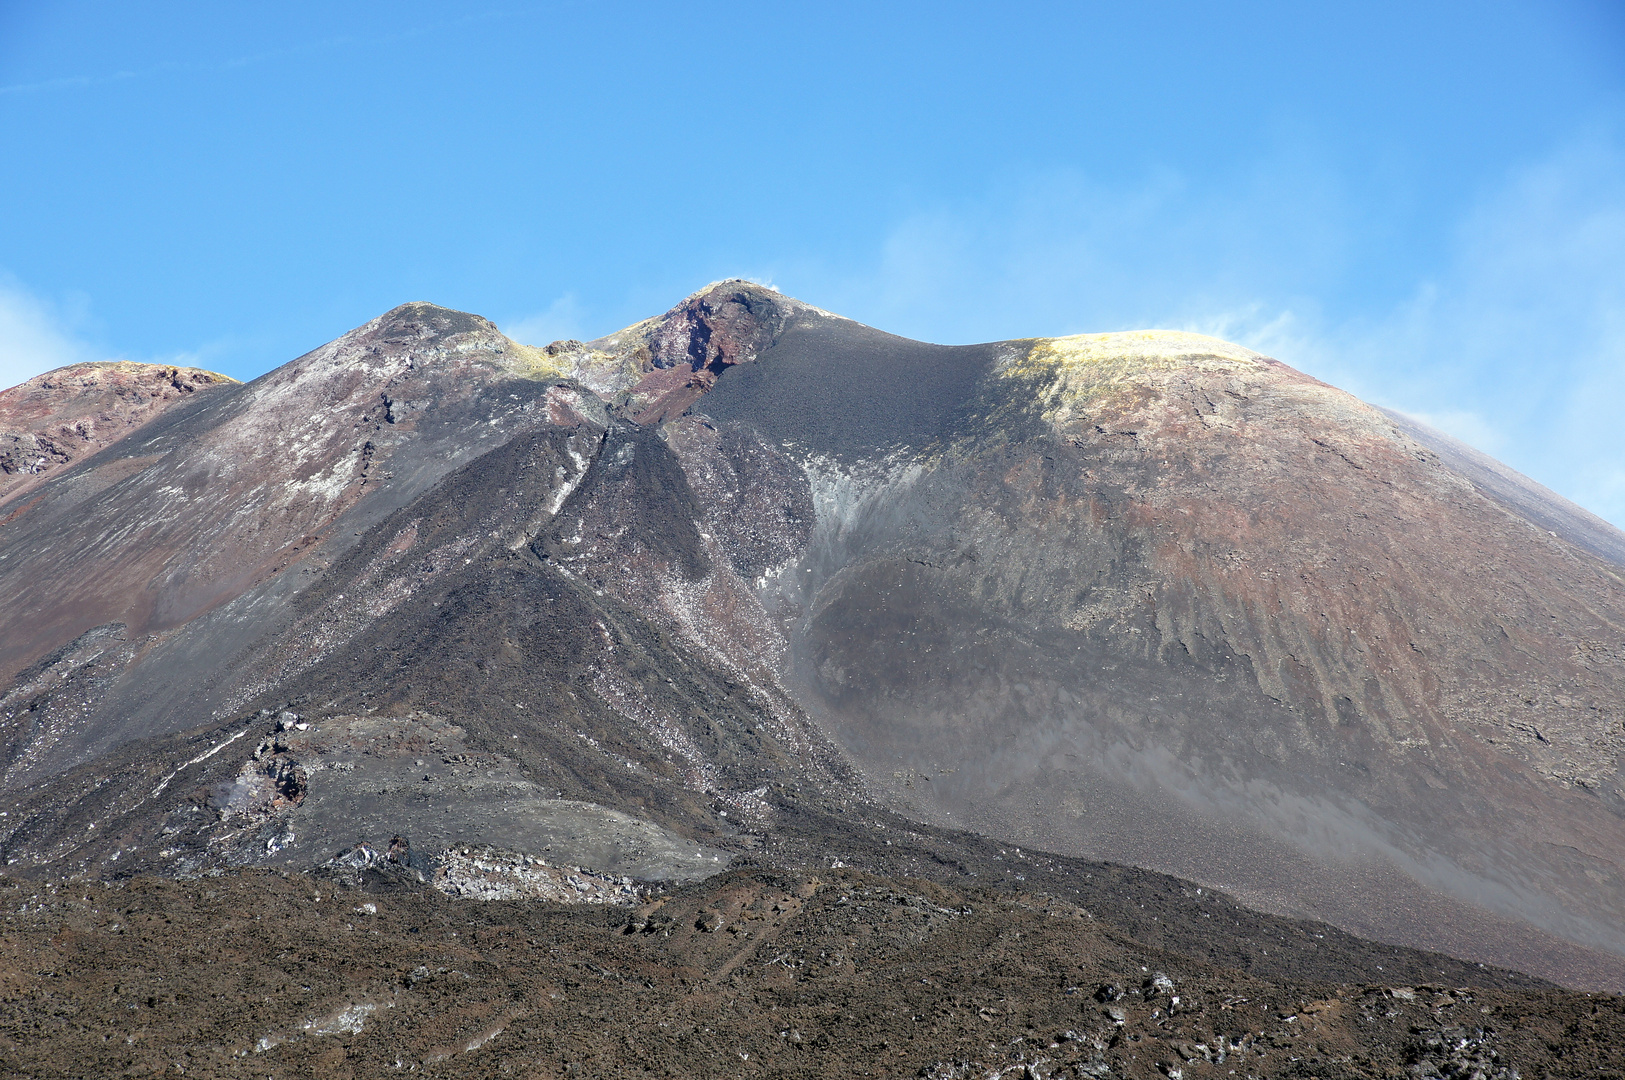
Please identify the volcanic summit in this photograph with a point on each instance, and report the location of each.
(720, 588)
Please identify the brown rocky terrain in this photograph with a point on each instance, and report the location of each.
(752, 973)
(750, 582)
(54, 419)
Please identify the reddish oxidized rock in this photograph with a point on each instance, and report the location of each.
(70, 413)
(726, 324)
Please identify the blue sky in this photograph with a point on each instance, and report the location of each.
(1422, 203)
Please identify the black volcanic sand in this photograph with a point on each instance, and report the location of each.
(753, 973)
(850, 391)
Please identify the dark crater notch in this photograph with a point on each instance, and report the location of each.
(845, 390)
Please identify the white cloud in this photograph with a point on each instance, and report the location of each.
(1515, 345)
(1469, 427)
(562, 319)
(35, 336)
(1061, 252)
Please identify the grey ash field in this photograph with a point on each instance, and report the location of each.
(751, 692)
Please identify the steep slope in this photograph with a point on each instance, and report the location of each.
(657, 601)
(1518, 493)
(364, 536)
(1154, 598)
(177, 543)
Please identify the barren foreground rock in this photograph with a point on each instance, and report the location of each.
(434, 610)
(748, 974)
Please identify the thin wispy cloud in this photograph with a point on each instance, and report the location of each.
(318, 44)
(1517, 345)
(74, 82)
(563, 318)
(35, 335)
(1060, 252)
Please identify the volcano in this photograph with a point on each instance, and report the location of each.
(750, 582)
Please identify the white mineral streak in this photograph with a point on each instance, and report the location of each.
(690, 605)
(338, 620)
(681, 604)
(723, 617)
(209, 753)
(347, 1021)
(846, 499)
(568, 484)
(627, 698)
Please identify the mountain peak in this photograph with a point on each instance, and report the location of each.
(419, 320)
(657, 368)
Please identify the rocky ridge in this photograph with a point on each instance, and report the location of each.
(54, 419)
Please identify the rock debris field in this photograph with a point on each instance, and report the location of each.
(751, 973)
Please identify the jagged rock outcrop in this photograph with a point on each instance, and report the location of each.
(1148, 597)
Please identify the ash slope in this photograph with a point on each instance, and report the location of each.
(1143, 597)
(1156, 599)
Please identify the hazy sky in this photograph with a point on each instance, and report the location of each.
(1422, 203)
